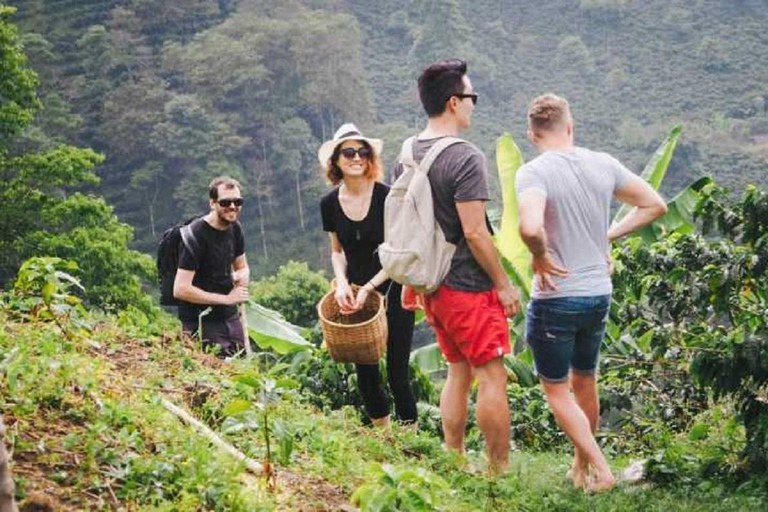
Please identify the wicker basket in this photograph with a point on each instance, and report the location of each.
(357, 338)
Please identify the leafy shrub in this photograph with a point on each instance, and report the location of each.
(400, 489)
(294, 291)
(695, 307)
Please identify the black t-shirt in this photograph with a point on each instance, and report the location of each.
(212, 264)
(359, 239)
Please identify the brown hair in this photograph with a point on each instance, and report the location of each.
(333, 171)
(229, 184)
(548, 111)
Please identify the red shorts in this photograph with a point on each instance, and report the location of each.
(470, 326)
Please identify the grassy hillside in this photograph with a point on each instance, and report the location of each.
(88, 431)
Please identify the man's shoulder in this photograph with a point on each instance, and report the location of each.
(593, 155)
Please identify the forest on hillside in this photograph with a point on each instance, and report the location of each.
(174, 92)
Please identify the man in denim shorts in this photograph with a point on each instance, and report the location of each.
(469, 310)
(564, 197)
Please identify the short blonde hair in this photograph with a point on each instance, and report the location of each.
(548, 111)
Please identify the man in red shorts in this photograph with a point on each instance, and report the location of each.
(469, 311)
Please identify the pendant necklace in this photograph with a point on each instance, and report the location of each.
(359, 212)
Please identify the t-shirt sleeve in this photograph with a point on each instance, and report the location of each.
(620, 173)
(187, 260)
(326, 211)
(526, 180)
(471, 179)
(239, 241)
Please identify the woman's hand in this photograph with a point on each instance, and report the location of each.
(362, 295)
(345, 298)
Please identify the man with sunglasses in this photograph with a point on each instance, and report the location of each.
(469, 310)
(213, 271)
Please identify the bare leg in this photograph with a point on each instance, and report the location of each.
(584, 389)
(381, 422)
(576, 426)
(453, 404)
(493, 412)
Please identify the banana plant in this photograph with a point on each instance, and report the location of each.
(270, 330)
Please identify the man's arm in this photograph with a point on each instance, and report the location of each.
(241, 274)
(183, 289)
(648, 204)
(531, 205)
(472, 217)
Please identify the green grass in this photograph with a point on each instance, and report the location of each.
(86, 424)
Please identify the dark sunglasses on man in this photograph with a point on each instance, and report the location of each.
(363, 152)
(462, 95)
(226, 203)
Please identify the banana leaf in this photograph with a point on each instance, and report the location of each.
(679, 216)
(508, 241)
(656, 168)
(269, 330)
(429, 358)
(522, 371)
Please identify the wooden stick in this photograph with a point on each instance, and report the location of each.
(255, 467)
(7, 488)
(243, 320)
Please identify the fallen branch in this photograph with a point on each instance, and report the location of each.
(7, 488)
(255, 467)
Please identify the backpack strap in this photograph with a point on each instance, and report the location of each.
(406, 153)
(188, 237)
(434, 152)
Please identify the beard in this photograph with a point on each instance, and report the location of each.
(224, 220)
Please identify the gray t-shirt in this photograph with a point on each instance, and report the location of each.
(578, 186)
(457, 175)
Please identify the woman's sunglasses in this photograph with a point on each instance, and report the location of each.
(226, 203)
(363, 152)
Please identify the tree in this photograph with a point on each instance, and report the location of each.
(39, 213)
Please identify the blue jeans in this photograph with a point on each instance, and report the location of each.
(565, 333)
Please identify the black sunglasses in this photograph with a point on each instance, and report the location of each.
(226, 203)
(350, 153)
(472, 95)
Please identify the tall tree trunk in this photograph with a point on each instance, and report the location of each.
(298, 200)
(262, 231)
(7, 488)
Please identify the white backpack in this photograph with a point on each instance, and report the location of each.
(415, 252)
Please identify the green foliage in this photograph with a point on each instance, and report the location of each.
(18, 101)
(41, 217)
(401, 489)
(294, 291)
(271, 331)
(42, 290)
(698, 305)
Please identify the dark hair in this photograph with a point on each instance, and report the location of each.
(333, 171)
(439, 82)
(229, 184)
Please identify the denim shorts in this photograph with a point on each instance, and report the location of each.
(565, 333)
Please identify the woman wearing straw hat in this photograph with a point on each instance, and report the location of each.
(353, 216)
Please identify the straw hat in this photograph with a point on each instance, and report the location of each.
(346, 131)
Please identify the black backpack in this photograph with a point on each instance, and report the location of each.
(168, 257)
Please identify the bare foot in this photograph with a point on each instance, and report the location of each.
(578, 474)
(601, 484)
